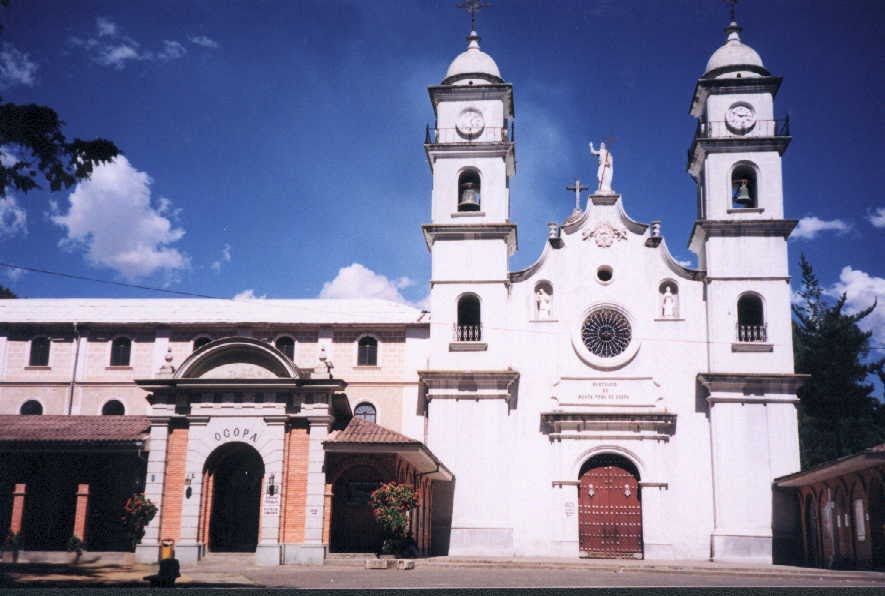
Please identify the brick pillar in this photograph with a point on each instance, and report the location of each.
(173, 483)
(294, 485)
(80, 511)
(327, 515)
(18, 508)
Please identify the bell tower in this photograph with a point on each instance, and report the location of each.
(740, 237)
(471, 153)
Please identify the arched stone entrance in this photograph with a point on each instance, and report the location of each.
(234, 474)
(609, 508)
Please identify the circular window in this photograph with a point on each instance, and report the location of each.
(606, 333)
(604, 274)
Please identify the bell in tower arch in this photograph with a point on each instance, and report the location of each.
(742, 195)
(469, 191)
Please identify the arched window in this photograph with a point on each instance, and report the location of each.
(669, 308)
(365, 411)
(469, 325)
(751, 319)
(39, 352)
(286, 345)
(121, 349)
(367, 351)
(743, 187)
(31, 408)
(201, 341)
(113, 408)
(469, 190)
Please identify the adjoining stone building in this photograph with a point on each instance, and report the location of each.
(606, 401)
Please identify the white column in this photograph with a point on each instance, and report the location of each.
(148, 550)
(268, 551)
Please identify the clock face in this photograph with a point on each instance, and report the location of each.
(470, 123)
(740, 118)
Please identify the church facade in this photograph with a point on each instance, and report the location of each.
(604, 402)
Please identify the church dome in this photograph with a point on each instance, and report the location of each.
(472, 64)
(734, 55)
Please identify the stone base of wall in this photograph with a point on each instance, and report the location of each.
(479, 542)
(303, 554)
(658, 551)
(741, 548)
(65, 557)
(268, 554)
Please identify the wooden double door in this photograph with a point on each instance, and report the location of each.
(610, 509)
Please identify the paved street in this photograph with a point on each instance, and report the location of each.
(240, 572)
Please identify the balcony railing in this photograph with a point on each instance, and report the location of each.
(489, 134)
(468, 332)
(762, 128)
(752, 333)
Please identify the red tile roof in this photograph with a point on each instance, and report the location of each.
(73, 429)
(362, 431)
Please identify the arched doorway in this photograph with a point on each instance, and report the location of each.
(353, 527)
(610, 509)
(812, 540)
(234, 474)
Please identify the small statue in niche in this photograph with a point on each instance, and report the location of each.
(543, 303)
(668, 304)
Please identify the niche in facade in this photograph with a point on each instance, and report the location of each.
(669, 300)
(543, 301)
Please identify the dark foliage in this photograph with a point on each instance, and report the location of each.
(838, 414)
(33, 135)
(6, 293)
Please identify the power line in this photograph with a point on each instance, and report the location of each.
(107, 281)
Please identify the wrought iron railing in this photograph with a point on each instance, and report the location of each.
(489, 134)
(752, 333)
(761, 128)
(468, 332)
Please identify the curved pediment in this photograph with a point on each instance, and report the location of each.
(237, 358)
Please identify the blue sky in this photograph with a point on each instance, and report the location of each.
(269, 146)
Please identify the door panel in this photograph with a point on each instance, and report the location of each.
(610, 511)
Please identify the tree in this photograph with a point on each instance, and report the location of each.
(838, 414)
(6, 293)
(33, 144)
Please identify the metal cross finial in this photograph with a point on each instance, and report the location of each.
(473, 7)
(732, 4)
(577, 188)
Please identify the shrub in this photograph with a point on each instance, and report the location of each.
(137, 514)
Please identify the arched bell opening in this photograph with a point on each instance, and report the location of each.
(469, 325)
(469, 190)
(744, 189)
(609, 508)
(233, 476)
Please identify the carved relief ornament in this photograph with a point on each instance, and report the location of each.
(605, 234)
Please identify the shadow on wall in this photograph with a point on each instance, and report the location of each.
(786, 527)
(441, 520)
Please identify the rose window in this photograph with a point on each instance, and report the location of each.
(606, 333)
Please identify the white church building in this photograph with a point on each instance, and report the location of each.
(604, 402)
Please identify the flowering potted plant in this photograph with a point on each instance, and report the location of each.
(391, 504)
(137, 513)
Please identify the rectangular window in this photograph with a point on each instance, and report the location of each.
(39, 352)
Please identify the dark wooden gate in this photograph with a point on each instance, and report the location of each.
(609, 509)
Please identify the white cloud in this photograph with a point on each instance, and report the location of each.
(248, 295)
(172, 50)
(13, 218)
(16, 68)
(106, 27)
(110, 47)
(877, 217)
(14, 273)
(357, 281)
(224, 258)
(204, 41)
(111, 218)
(810, 227)
(861, 290)
(117, 55)
(688, 263)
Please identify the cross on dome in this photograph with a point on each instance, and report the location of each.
(473, 7)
